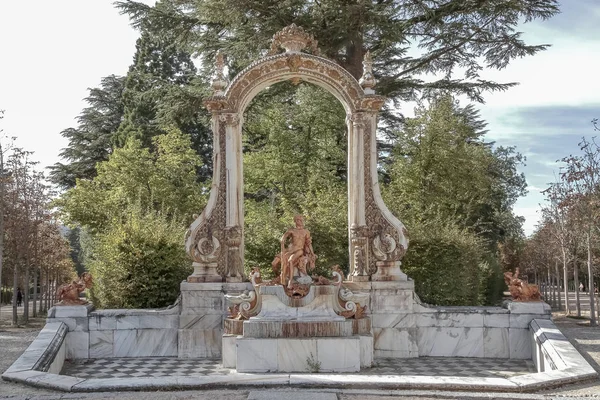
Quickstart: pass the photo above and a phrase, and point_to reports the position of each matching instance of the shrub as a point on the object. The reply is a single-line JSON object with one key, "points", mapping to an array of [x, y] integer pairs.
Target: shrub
{"points": [[447, 264], [139, 262]]}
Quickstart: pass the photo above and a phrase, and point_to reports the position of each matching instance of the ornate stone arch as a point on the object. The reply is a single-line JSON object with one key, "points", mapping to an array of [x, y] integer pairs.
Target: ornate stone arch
{"points": [[215, 242]]}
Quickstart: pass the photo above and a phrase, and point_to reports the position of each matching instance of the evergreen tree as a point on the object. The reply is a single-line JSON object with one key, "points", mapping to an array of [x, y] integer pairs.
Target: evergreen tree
{"points": [[162, 90], [134, 214], [455, 193], [91, 141], [448, 34]]}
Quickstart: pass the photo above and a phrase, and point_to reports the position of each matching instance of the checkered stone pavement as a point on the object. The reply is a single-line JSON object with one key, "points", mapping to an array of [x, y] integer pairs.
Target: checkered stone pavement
{"points": [[423, 366], [451, 366], [143, 367]]}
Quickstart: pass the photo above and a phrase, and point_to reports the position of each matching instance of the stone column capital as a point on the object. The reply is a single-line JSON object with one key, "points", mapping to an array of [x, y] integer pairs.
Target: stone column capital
{"points": [[230, 119]]}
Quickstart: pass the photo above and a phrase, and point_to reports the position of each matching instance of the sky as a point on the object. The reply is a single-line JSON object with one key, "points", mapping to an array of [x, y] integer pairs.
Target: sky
{"points": [[53, 51]]}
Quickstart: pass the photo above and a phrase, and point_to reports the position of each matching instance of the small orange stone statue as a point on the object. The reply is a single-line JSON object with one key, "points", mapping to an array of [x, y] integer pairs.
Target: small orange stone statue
{"points": [[519, 290], [68, 294], [298, 257]]}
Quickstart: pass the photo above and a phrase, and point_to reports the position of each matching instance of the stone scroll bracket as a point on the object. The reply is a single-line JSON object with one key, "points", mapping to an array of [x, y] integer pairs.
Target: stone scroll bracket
{"points": [[205, 240], [378, 239]]}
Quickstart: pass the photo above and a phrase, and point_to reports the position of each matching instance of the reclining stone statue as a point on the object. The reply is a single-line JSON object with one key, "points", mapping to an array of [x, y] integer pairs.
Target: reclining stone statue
{"points": [[68, 294], [519, 290]]}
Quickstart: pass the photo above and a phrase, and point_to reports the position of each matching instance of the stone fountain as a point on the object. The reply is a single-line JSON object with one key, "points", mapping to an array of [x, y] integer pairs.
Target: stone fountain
{"points": [[297, 323]]}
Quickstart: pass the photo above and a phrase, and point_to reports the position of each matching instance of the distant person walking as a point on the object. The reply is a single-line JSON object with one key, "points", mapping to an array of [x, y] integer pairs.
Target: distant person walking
{"points": [[19, 297], [581, 287]]}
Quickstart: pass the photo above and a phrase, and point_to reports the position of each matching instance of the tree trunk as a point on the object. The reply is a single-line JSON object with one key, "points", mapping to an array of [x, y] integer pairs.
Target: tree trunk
{"points": [[566, 283], [14, 299], [552, 288], [1, 216], [47, 291], [591, 281], [557, 274], [26, 295], [576, 282], [35, 281]]}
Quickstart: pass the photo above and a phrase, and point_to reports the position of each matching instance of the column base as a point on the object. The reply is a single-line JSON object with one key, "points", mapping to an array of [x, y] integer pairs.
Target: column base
{"points": [[204, 273], [389, 271]]}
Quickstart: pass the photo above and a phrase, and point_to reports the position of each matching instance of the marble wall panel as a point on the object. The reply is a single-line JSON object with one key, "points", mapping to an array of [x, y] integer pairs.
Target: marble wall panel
{"points": [[339, 355], [390, 300], [398, 340], [496, 320], [201, 322], [519, 341], [366, 351], [196, 343], [145, 343], [296, 355], [125, 322], [257, 355], [393, 320], [522, 321], [77, 345], [99, 322], [59, 360], [203, 299], [449, 319], [495, 343], [76, 324], [101, 344], [70, 311], [532, 307], [229, 351], [158, 321], [402, 285], [450, 342]]}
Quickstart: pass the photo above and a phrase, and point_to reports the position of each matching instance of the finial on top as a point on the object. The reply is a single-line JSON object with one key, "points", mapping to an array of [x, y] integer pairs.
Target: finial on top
{"points": [[367, 80], [293, 39], [219, 82]]}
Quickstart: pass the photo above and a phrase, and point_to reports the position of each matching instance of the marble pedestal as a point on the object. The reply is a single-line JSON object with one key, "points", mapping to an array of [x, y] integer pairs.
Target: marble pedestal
{"points": [[324, 354], [298, 334], [203, 310]]}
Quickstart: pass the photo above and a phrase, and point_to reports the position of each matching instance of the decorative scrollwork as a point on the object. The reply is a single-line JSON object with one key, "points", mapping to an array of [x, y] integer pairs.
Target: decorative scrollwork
{"points": [[293, 38]]}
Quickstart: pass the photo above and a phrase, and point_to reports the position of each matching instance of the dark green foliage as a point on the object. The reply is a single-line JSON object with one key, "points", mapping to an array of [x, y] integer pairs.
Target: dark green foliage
{"points": [[76, 251], [471, 35], [295, 163], [162, 91], [91, 142], [443, 171], [447, 264], [135, 213], [139, 263]]}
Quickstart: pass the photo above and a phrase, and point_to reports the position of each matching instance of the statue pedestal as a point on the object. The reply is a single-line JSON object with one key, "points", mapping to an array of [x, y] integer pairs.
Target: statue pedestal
{"points": [[205, 273], [360, 278], [305, 334], [389, 271], [202, 308]]}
